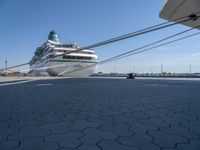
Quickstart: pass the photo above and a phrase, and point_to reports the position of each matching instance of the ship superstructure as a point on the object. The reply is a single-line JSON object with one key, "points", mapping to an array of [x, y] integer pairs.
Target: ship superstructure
{"points": [[57, 59]]}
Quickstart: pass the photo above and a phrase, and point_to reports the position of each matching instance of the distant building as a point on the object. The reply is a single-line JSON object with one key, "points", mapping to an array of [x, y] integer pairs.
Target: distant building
{"points": [[10, 73]]}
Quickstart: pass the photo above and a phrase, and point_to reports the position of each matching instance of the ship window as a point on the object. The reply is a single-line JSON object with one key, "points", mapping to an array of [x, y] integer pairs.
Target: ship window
{"points": [[62, 51], [78, 57], [67, 57], [88, 58], [51, 56]]}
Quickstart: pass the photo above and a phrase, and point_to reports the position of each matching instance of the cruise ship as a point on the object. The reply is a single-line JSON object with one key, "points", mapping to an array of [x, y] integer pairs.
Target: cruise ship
{"points": [[58, 59]]}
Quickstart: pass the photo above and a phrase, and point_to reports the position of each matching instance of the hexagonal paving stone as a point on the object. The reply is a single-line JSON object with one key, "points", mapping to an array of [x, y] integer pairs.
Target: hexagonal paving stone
{"points": [[57, 128], [93, 136], [169, 149], [8, 145], [166, 140], [112, 145], [193, 128], [88, 147], [24, 123], [178, 130], [68, 140], [194, 145], [72, 117], [140, 141], [119, 129], [6, 132], [28, 132], [103, 120], [123, 118], [4, 125], [92, 114], [4, 117], [82, 124], [158, 122], [3, 137], [34, 143], [137, 127], [49, 118]]}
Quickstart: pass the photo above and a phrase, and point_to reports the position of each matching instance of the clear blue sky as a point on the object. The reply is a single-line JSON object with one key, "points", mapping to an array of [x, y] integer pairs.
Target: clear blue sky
{"points": [[25, 25]]}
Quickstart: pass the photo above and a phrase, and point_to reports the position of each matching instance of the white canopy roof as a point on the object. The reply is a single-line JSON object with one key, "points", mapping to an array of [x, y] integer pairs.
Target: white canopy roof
{"points": [[174, 9]]}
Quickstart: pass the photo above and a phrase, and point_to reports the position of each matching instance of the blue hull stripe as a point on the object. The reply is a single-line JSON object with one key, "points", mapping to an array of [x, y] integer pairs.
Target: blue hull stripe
{"points": [[70, 61]]}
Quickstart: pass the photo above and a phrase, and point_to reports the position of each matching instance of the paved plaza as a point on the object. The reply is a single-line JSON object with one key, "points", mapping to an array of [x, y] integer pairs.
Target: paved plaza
{"points": [[100, 114]]}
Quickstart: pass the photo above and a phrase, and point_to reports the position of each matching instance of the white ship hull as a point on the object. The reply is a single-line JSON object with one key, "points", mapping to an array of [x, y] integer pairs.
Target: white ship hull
{"points": [[65, 68]]}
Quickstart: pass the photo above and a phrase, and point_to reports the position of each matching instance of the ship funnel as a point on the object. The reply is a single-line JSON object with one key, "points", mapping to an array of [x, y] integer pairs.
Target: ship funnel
{"points": [[53, 36]]}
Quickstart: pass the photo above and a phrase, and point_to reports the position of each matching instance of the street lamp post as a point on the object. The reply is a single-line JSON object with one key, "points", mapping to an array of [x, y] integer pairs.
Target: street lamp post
{"points": [[6, 62]]}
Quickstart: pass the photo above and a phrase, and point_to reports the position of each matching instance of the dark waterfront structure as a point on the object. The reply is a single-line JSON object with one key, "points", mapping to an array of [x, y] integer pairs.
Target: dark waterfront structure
{"points": [[100, 114], [131, 76]]}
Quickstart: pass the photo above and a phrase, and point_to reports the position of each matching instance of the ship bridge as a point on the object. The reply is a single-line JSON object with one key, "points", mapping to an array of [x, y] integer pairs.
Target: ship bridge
{"points": [[174, 9]]}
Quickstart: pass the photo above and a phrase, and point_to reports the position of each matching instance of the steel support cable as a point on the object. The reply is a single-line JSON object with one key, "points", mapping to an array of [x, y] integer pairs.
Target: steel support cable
{"points": [[17, 66], [65, 71], [116, 38], [159, 41], [123, 53], [119, 39], [60, 65], [136, 33], [154, 47], [141, 51], [93, 45], [77, 64], [112, 40], [129, 35], [136, 52]]}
